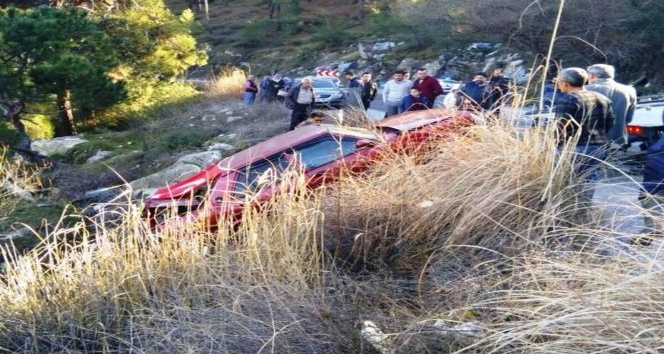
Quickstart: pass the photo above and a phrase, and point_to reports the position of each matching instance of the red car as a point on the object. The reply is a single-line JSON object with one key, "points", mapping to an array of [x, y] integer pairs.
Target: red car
{"points": [[322, 151]]}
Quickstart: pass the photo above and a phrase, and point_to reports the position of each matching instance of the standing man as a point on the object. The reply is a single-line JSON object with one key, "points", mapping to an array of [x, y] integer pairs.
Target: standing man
{"points": [[497, 88], [301, 100], [652, 193], [354, 95], [263, 93], [473, 94], [622, 97], [428, 85], [353, 82], [589, 114], [369, 89], [394, 91], [276, 84]]}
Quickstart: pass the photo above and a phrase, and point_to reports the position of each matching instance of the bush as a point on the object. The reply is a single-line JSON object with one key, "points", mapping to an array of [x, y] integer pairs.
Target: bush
{"points": [[229, 82], [257, 33]]}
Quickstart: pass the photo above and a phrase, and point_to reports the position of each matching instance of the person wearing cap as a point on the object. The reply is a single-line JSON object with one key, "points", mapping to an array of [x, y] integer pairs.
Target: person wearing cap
{"points": [[249, 91], [473, 94], [623, 99]]}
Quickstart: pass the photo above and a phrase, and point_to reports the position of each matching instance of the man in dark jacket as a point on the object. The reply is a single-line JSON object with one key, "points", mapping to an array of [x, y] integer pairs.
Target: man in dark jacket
{"points": [[300, 99], [353, 82], [587, 112], [473, 94], [415, 101], [369, 89], [497, 88], [428, 85], [276, 83], [652, 192], [590, 115]]}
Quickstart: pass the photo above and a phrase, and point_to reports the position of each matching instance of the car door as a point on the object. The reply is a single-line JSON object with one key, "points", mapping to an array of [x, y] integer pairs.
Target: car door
{"points": [[326, 158]]}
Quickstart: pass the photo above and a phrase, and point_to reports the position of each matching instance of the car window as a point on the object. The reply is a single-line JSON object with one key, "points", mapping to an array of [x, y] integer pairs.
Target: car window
{"points": [[261, 173], [309, 156], [324, 151]]}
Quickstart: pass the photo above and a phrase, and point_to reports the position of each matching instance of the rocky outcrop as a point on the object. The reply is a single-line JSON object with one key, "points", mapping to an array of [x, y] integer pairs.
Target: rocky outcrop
{"points": [[457, 64], [54, 146], [182, 168]]}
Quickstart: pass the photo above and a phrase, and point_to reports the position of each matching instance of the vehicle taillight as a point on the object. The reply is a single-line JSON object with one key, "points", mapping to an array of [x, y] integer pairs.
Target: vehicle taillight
{"points": [[633, 129]]}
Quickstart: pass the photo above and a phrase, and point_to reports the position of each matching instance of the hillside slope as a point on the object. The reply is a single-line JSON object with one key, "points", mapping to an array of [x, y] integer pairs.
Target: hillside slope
{"points": [[242, 31]]}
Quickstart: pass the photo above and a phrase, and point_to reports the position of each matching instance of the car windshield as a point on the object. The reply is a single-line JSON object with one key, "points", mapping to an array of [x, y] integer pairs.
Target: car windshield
{"points": [[323, 84], [310, 155]]}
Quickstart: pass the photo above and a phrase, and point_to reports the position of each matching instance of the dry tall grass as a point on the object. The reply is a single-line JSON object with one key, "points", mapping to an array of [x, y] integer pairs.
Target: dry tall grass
{"points": [[473, 231], [227, 83], [17, 182], [493, 188]]}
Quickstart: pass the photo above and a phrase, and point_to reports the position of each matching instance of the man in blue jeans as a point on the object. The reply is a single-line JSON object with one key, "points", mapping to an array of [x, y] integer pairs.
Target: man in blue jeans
{"points": [[652, 193], [588, 114]]}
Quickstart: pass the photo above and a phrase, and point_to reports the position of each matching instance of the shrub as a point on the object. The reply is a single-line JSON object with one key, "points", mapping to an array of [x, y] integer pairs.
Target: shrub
{"points": [[227, 83]]}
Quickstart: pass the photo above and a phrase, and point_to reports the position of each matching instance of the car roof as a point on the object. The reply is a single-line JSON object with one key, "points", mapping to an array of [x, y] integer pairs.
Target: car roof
{"points": [[287, 140], [413, 120], [318, 78]]}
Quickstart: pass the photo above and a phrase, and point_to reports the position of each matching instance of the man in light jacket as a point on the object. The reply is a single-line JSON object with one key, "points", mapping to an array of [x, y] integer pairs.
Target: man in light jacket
{"points": [[394, 92], [300, 99], [623, 99]]}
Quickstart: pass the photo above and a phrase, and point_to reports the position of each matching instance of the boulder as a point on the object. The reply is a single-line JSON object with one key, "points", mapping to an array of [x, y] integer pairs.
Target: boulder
{"points": [[182, 168], [98, 156], [54, 146]]}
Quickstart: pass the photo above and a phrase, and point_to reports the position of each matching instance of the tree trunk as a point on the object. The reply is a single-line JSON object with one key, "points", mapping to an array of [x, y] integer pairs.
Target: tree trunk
{"points": [[12, 111], [360, 12], [66, 126]]}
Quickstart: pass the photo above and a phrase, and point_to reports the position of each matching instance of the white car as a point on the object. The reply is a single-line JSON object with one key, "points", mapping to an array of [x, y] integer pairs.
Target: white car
{"points": [[648, 121], [449, 84]]}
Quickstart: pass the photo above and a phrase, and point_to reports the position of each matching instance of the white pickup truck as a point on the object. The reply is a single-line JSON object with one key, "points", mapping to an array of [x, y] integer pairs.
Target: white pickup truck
{"points": [[648, 122]]}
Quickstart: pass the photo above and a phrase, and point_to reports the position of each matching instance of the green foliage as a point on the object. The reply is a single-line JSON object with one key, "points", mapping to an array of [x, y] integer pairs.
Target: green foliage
{"points": [[8, 135], [386, 24], [39, 126], [51, 51], [254, 33], [333, 34], [146, 96], [153, 44], [155, 47], [184, 139]]}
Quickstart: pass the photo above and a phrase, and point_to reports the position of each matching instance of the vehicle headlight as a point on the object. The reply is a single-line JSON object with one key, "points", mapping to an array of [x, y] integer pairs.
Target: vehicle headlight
{"points": [[336, 95]]}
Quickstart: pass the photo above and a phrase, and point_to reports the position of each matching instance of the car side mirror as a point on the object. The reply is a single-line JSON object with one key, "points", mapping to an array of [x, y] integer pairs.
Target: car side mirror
{"points": [[362, 143]]}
